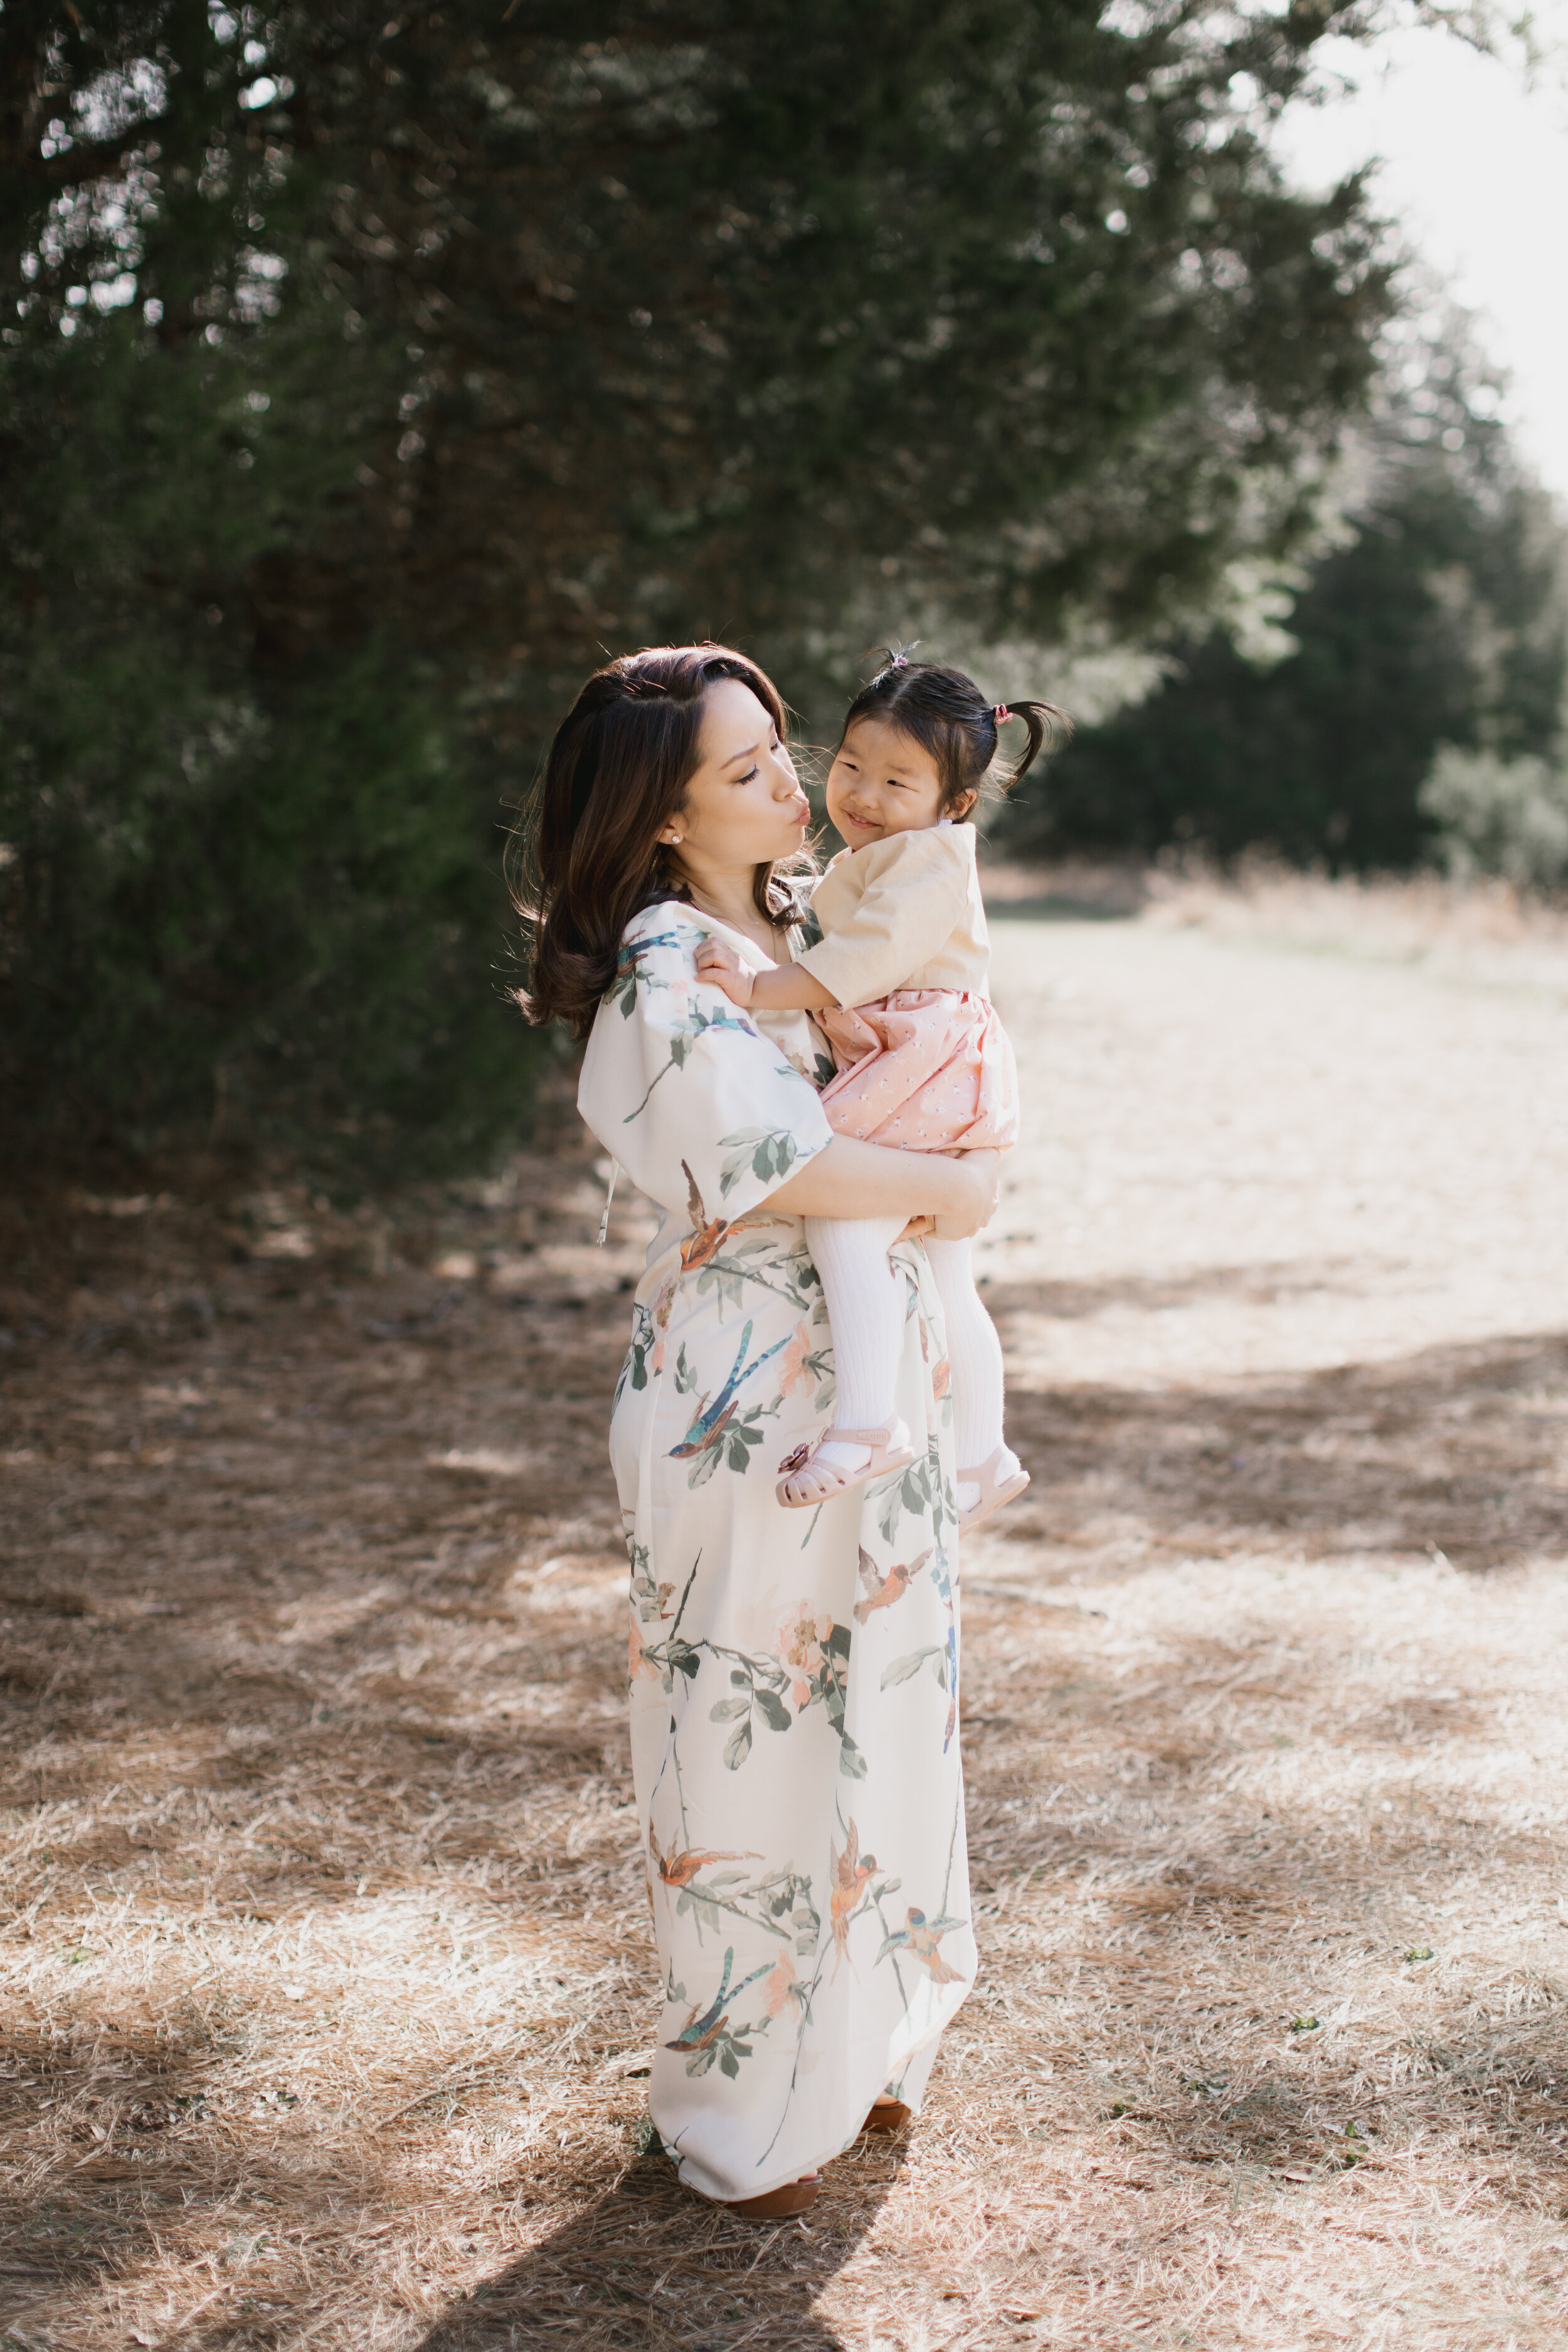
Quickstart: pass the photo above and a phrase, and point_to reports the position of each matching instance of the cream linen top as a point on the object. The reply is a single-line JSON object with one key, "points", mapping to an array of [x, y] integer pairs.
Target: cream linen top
{"points": [[903, 912]]}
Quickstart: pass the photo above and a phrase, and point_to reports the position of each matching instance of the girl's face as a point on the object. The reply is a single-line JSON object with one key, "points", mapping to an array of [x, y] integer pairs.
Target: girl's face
{"points": [[744, 806], [883, 782]]}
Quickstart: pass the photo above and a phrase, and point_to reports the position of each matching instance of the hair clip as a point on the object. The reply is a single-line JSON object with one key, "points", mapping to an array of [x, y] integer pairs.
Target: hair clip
{"points": [[899, 661], [1003, 711]]}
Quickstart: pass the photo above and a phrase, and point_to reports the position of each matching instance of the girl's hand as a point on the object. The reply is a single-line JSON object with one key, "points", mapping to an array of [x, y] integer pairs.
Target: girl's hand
{"points": [[719, 963], [981, 1174]]}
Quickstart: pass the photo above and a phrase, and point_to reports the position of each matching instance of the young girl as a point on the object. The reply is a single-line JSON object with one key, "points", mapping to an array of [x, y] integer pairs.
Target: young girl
{"points": [[897, 983]]}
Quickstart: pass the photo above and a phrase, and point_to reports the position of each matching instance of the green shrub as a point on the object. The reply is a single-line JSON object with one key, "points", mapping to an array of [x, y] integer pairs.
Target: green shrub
{"points": [[1498, 816]]}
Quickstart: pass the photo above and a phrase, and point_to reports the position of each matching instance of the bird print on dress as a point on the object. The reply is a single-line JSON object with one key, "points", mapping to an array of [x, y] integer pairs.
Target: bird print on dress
{"points": [[707, 2033], [710, 1422], [702, 1243], [881, 1591], [851, 1872], [678, 1870], [920, 1938], [718, 1431]]}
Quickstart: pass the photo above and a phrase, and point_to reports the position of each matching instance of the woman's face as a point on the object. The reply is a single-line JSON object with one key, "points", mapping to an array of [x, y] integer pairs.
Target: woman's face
{"points": [[744, 806]]}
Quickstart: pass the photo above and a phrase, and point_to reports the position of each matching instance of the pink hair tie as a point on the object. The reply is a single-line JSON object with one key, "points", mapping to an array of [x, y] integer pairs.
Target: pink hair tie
{"points": [[1003, 711]]}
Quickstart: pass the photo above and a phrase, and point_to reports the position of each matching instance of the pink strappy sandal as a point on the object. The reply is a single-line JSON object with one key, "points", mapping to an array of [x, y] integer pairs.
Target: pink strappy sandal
{"points": [[992, 1495], [805, 1481]]}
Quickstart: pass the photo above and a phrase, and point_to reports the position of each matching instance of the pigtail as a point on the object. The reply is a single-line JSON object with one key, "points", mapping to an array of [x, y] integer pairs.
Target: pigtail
{"points": [[1048, 726]]}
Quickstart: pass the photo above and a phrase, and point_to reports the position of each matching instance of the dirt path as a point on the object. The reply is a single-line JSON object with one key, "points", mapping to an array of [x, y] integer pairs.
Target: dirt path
{"points": [[322, 1951]]}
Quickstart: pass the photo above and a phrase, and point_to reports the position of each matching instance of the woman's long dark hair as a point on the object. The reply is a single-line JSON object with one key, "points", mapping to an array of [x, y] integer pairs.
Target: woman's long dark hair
{"points": [[944, 711], [590, 854]]}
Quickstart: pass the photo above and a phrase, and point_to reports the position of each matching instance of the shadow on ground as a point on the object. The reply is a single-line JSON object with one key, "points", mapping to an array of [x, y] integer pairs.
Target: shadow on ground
{"points": [[1455, 1450], [647, 2267]]}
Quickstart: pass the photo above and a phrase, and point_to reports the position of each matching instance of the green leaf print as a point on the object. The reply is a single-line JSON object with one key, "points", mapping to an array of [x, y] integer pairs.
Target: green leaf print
{"points": [[634, 1370], [743, 1433], [770, 1268], [903, 1670], [769, 1150], [771, 1709], [812, 1671], [780, 1904], [683, 1039], [923, 1492]]}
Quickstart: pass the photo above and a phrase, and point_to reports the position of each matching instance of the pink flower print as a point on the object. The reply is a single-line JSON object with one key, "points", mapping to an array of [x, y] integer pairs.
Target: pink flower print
{"points": [[792, 1373], [940, 1379], [638, 1662], [799, 1650], [783, 1987]]}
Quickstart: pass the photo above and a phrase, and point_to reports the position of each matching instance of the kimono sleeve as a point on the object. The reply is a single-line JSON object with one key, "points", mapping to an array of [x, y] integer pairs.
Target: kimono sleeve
{"points": [[914, 900], [680, 1087]]}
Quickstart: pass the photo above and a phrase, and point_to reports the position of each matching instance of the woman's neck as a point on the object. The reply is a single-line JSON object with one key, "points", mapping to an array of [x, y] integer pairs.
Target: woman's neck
{"points": [[728, 895]]}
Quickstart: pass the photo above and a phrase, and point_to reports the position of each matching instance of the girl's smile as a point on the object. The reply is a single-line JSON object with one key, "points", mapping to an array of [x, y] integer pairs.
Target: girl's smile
{"points": [[883, 782]]}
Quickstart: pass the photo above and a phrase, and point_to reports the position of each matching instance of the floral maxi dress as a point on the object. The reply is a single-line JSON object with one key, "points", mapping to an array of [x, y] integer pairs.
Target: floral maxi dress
{"points": [[794, 1676]]}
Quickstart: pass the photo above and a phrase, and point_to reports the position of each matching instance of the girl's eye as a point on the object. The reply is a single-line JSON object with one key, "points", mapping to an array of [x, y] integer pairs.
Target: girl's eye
{"points": [[750, 777]]}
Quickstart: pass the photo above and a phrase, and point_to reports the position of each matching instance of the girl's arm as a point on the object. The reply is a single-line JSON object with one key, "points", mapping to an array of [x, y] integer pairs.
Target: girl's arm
{"points": [[788, 988], [850, 1179]]}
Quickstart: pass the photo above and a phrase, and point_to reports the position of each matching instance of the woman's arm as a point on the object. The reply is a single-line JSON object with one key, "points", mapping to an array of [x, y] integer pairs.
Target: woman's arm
{"points": [[850, 1179]]}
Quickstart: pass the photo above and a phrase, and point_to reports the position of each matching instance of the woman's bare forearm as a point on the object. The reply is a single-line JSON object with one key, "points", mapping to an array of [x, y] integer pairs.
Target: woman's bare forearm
{"points": [[849, 1179]]}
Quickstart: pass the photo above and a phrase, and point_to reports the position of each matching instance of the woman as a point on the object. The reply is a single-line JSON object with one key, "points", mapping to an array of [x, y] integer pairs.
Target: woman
{"points": [[794, 1701]]}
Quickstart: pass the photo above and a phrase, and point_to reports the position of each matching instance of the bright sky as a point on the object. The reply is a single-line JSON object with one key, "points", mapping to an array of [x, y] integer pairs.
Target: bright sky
{"points": [[1475, 165]]}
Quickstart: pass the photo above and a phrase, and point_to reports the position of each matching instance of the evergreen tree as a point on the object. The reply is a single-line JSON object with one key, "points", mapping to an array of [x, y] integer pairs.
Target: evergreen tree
{"points": [[369, 371], [1439, 621]]}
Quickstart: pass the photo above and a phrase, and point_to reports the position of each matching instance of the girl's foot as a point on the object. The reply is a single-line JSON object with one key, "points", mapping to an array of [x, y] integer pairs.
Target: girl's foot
{"points": [[776, 2204], [841, 1459], [887, 2115], [1000, 1478]]}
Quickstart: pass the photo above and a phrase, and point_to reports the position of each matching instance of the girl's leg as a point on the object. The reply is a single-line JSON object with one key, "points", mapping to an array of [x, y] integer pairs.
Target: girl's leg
{"points": [[975, 1357], [866, 1312]]}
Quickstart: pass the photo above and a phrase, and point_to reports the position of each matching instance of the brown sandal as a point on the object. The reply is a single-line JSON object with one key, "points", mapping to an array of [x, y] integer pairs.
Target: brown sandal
{"points": [[887, 2115], [776, 2204], [806, 1481]]}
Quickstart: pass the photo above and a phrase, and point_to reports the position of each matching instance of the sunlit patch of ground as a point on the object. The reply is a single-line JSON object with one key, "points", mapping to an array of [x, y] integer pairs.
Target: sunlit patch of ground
{"points": [[323, 1955]]}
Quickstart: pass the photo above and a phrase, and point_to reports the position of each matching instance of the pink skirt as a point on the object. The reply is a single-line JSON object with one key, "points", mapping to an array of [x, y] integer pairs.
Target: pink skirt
{"points": [[925, 1069]]}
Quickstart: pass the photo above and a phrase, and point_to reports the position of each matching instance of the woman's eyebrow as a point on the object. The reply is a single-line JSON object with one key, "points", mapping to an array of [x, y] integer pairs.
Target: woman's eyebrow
{"points": [[749, 753]]}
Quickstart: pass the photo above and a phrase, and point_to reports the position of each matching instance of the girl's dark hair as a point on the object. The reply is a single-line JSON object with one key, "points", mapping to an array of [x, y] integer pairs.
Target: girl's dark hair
{"points": [[590, 854], [944, 711]]}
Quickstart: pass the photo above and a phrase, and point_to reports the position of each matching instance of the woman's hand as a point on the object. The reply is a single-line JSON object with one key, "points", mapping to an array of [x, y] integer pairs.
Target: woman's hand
{"points": [[718, 961], [982, 1172]]}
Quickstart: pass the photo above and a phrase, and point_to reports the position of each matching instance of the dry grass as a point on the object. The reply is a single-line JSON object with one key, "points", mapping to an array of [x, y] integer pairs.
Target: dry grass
{"points": [[323, 1955]]}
